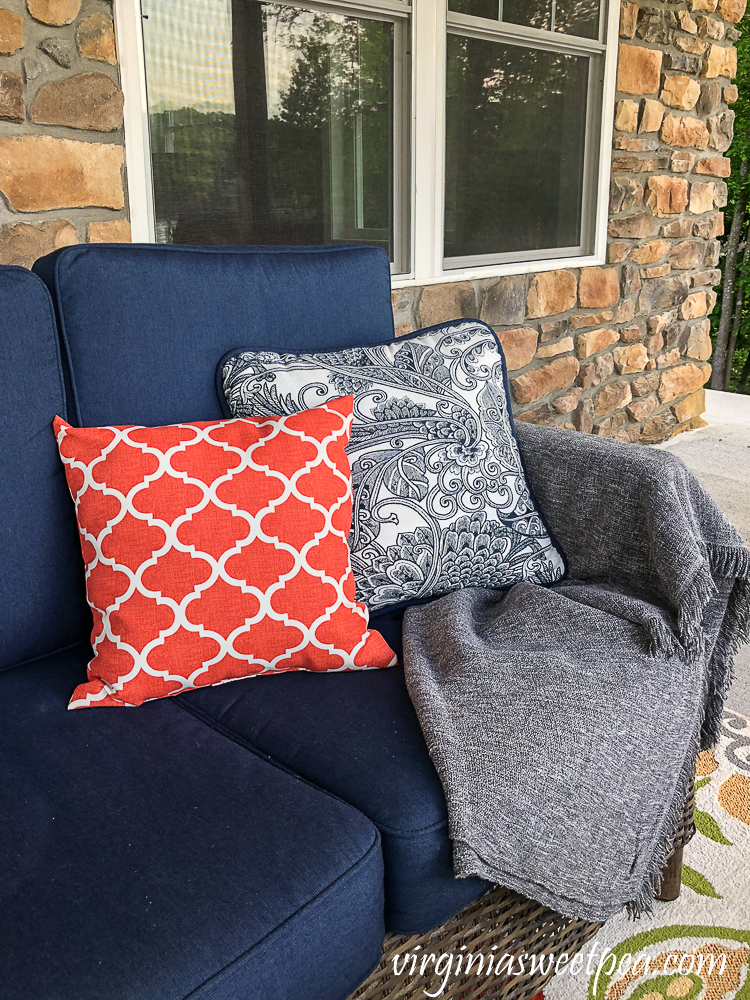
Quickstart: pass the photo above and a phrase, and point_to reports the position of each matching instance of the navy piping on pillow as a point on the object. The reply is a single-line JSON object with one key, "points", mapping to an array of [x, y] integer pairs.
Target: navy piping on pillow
{"points": [[219, 383], [398, 605]]}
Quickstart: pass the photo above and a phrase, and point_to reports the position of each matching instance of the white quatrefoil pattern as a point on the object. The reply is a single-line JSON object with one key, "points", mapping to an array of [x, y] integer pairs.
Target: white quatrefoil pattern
{"points": [[216, 550]]}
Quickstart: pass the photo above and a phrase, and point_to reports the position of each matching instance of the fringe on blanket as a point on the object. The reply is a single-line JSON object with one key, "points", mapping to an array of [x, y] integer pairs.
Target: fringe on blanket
{"points": [[644, 901], [727, 564]]}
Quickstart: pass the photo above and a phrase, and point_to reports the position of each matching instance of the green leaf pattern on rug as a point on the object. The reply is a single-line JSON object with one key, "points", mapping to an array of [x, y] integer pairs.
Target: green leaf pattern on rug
{"points": [[698, 883], [708, 826], [702, 782]]}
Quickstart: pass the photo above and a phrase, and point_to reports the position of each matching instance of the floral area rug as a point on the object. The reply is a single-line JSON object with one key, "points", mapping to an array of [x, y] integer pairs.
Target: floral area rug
{"points": [[698, 947]]}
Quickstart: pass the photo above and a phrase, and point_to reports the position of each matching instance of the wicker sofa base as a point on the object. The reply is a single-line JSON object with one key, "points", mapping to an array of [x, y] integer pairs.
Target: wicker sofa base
{"points": [[500, 924]]}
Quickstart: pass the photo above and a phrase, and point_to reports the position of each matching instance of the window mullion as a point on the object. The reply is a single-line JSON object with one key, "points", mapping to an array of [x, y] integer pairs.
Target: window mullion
{"points": [[138, 144], [611, 25], [401, 153], [428, 140]]}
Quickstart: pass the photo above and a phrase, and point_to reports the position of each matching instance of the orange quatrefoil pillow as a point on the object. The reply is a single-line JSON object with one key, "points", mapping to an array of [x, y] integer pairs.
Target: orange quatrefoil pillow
{"points": [[216, 550]]}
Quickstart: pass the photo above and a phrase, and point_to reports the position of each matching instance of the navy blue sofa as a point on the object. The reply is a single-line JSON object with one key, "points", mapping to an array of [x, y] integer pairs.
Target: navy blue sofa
{"points": [[252, 840]]}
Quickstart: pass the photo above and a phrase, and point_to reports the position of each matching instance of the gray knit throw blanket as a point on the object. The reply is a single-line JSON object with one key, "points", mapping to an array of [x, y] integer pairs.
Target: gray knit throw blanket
{"points": [[564, 722]]}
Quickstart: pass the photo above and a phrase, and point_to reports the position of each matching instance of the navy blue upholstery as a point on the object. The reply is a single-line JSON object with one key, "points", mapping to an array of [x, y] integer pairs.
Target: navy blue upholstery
{"points": [[42, 607], [150, 357], [357, 735], [147, 857], [145, 326]]}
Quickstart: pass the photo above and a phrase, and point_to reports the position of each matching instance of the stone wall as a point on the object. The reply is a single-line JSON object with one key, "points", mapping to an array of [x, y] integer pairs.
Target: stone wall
{"points": [[61, 137], [622, 350]]}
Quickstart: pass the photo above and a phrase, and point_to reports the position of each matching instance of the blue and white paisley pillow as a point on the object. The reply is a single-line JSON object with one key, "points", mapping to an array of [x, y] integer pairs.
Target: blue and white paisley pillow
{"points": [[440, 496]]}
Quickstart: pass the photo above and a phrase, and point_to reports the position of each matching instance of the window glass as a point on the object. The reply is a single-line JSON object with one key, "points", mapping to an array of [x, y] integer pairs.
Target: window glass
{"points": [[476, 8], [529, 13], [578, 17], [516, 126], [269, 123], [574, 17]]}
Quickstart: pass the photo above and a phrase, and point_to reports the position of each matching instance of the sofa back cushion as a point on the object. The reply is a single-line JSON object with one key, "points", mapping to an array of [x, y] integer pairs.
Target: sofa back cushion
{"points": [[144, 326], [42, 606]]}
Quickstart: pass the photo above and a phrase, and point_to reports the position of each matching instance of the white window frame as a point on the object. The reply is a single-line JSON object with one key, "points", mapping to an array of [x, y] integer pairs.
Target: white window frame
{"points": [[421, 200]]}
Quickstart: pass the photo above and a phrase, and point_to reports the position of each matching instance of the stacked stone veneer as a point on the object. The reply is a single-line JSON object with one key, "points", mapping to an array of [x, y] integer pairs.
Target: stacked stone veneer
{"points": [[61, 135], [622, 349]]}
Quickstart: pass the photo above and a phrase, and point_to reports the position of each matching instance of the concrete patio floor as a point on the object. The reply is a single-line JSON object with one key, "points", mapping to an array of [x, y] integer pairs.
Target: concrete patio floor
{"points": [[719, 455]]}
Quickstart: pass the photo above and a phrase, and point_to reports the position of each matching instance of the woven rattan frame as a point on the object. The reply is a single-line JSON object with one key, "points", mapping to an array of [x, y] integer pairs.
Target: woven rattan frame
{"points": [[685, 831], [498, 923], [499, 920]]}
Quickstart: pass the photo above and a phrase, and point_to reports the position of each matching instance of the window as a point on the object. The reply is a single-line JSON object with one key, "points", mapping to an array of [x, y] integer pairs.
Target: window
{"points": [[464, 137], [271, 123], [522, 117]]}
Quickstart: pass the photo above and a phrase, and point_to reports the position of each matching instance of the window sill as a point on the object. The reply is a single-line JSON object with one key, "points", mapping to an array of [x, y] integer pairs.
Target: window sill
{"points": [[498, 270]]}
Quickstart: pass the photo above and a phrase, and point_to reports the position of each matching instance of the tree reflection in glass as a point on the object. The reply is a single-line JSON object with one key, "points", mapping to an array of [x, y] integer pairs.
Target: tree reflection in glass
{"points": [[578, 17], [574, 17], [515, 134], [476, 8], [292, 141], [530, 13]]}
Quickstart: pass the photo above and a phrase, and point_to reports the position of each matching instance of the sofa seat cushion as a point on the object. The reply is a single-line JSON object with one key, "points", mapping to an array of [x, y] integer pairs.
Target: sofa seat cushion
{"points": [[357, 735], [148, 857]]}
